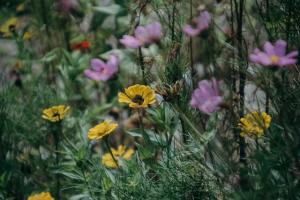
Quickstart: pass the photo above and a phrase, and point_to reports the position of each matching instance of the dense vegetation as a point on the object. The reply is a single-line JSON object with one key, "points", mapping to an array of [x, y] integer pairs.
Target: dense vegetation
{"points": [[149, 99]]}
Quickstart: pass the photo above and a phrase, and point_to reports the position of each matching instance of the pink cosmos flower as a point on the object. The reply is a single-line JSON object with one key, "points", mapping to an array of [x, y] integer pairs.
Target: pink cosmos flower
{"points": [[207, 96], [274, 55], [101, 71], [201, 23], [143, 36]]}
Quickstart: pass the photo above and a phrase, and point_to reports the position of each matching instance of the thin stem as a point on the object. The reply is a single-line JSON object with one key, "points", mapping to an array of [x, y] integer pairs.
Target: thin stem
{"points": [[146, 137], [193, 71], [109, 149], [242, 78], [87, 183], [142, 65], [57, 177], [173, 21]]}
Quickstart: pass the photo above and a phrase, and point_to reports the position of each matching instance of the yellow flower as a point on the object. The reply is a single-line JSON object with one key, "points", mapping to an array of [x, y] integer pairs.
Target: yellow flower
{"points": [[137, 96], [101, 130], [7, 26], [27, 35], [254, 123], [55, 113], [121, 152], [41, 196]]}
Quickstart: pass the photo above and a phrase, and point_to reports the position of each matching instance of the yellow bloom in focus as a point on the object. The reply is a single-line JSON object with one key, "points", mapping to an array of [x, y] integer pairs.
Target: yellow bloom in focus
{"points": [[55, 113], [254, 123], [7, 27], [101, 130], [121, 152], [41, 196], [137, 96]]}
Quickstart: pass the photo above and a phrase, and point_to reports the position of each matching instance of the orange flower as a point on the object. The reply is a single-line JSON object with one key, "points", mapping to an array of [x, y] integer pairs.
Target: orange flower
{"points": [[85, 44]]}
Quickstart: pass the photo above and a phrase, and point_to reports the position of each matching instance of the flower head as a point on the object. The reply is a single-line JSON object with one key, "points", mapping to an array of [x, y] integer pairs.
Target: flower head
{"points": [[137, 96], [121, 152], [101, 130], [200, 23], [65, 5], [102, 71], [85, 44], [274, 55], [143, 36], [41, 196], [7, 27], [27, 36], [254, 123], [207, 96], [55, 113]]}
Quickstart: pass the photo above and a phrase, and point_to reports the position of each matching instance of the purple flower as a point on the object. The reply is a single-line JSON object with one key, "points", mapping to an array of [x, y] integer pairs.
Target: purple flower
{"points": [[201, 23], [65, 5], [207, 96], [274, 55], [101, 71], [143, 36]]}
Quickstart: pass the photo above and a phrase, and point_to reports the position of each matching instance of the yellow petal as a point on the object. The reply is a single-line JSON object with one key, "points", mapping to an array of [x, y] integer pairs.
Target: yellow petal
{"points": [[128, 154], [108, 161], [123, 98]]}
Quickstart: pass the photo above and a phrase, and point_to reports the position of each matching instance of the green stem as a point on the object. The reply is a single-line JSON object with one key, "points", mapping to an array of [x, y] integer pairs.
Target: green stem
{"points": [[142, 65], [56, 141], [146, 137], [193, 71], [109, 149], [87, 183]]}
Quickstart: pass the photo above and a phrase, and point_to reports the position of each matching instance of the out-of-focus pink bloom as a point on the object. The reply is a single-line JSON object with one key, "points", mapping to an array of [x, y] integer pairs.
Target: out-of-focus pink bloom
{"points": [[65, 5], [200, 24], [207, 96], [101, 71], [143, 36], [274, 55]]}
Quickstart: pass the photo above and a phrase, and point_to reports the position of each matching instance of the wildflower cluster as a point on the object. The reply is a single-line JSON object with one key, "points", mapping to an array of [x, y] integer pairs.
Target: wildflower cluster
{"points": [[254, 124], [155, 95]]}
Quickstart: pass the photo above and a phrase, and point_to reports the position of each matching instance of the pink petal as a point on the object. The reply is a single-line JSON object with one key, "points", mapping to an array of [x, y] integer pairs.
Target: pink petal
{"points": [[285, 61], [97, 64], [141, 34], [130, 42], [154, 31], [253, 58], [211, 105], [292, 54], [91, 75], [112, 64], [264, 59], [190, 31], [269, 48], [280, 47], [206, 97]]}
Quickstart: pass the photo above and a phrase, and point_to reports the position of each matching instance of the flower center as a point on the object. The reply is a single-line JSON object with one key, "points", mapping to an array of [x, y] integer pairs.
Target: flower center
{"points": [[56, 114], [138, 99], [274, 59], [103, 71]]}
